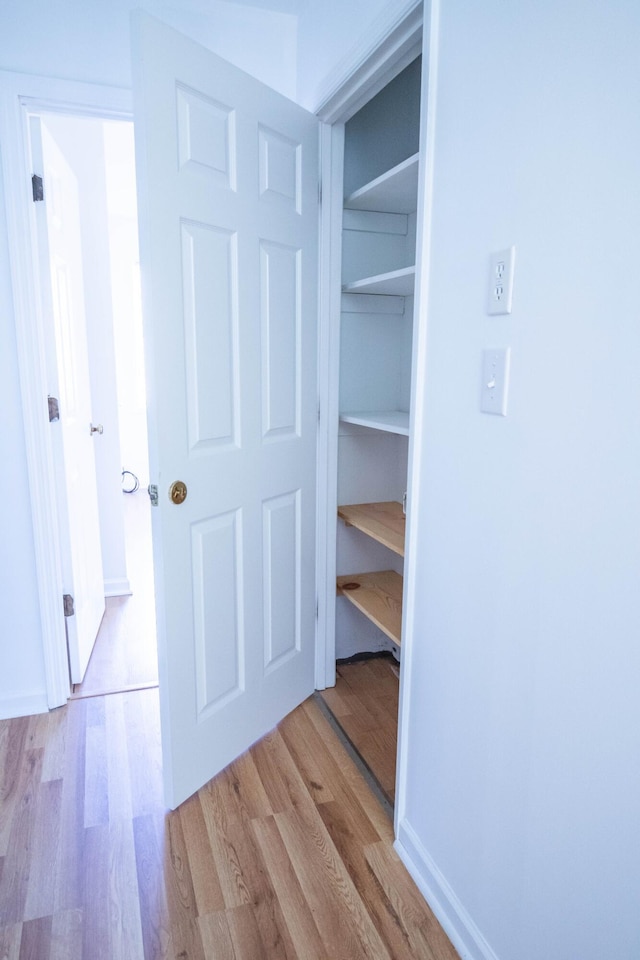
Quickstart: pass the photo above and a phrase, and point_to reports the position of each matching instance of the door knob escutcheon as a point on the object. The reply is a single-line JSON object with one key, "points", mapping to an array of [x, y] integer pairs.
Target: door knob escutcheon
{"points": [[178, 492]]}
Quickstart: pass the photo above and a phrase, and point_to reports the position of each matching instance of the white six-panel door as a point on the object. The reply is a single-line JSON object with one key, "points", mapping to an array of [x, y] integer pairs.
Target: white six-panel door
{"points": [[228, 187]]}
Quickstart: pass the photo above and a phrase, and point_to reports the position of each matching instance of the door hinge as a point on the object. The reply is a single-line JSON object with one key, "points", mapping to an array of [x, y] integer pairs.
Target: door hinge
{"points": [[153, 494], [67, 602], [37, 188], [54, 409]]}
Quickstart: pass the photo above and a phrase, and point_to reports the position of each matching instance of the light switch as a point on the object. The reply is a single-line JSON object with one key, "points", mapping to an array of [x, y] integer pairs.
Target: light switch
{"points": [[495, 380], [500, 294]]}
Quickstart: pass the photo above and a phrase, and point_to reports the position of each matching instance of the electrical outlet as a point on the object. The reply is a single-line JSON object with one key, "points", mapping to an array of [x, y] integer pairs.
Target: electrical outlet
{"points": [[500, 296]]}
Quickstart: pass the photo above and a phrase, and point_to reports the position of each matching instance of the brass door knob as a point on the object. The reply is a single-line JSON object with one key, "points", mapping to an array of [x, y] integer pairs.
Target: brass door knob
{"points": [[178, 492]]}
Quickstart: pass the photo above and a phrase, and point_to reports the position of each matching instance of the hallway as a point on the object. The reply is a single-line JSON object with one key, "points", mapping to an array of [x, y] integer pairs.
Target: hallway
{"points": [[125, 653]]}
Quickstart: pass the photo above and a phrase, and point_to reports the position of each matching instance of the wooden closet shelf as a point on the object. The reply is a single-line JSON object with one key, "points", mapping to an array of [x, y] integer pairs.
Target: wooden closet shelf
{"points": [[377, 595], [384, 522]]}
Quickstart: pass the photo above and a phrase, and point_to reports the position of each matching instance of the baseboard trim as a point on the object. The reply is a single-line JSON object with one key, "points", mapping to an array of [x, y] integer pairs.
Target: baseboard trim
{"points": [[451, 915], [117, 588], [12, 707]]}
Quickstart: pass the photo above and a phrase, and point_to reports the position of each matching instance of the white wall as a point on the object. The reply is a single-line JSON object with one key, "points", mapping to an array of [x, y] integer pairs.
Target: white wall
{"points": [[126, 296], [91, 41], [524, 727]]}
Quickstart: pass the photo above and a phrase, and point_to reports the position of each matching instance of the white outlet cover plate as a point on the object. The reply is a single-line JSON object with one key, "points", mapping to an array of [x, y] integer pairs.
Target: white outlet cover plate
{"points": [[495, 380], [500, 292]]}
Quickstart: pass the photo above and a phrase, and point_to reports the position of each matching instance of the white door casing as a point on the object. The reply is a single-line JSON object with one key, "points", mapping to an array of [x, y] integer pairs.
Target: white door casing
{"points": [[59, 242], [228, 199], [21, 95]]}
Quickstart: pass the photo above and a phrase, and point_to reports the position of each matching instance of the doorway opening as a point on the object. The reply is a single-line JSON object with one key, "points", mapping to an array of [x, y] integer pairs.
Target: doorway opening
{"points": [[380, 176], [98, 155]]}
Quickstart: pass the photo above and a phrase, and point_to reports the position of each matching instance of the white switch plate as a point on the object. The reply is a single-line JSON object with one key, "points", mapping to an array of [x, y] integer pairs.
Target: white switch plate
{"points": [[495, 380], [500, 294]]}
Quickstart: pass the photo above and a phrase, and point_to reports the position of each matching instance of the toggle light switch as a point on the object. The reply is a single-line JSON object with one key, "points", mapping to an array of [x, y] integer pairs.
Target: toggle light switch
{"points": [[495, 380]]}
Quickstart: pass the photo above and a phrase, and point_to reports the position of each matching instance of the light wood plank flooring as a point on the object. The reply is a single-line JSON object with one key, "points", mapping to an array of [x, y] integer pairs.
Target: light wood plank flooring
{"points": [[364, 702], [286, 854]]}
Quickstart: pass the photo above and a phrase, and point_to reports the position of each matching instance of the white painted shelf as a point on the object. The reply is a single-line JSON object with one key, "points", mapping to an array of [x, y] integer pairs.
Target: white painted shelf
{"points": [[390, 421], [395, 283], [396, 191]]}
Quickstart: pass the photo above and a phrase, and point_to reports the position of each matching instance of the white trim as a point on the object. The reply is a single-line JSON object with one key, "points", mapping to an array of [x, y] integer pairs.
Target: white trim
{"points": [[390, 44], [330, 286], [32, 368], [12, 707], [21, 94], [118, 588], [417, 460], [449, 912]]}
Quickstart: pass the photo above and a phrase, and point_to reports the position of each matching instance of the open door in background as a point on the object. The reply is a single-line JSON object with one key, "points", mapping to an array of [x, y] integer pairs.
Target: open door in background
{"points": [[60, 258], [227, 175]]}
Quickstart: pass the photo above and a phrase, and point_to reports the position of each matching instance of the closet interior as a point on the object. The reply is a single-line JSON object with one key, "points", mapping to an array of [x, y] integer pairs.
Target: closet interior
{"points": [[381, 162]]}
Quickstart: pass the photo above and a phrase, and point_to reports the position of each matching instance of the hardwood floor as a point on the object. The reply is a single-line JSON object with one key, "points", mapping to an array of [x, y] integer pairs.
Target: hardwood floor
{"points": [[286, 854], [364, 702]]}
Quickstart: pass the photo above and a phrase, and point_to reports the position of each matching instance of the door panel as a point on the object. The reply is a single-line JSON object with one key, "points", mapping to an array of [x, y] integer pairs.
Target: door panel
{"points": [[281, 339], [216, 546], [282, 575], [210, 271], [206, 135], [228, 175], [280, 160]]}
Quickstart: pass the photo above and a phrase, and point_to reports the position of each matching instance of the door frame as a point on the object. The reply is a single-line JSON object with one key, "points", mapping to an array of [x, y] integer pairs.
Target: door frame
{"points": [[20, 96], [397, 41], [392, 43]]}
